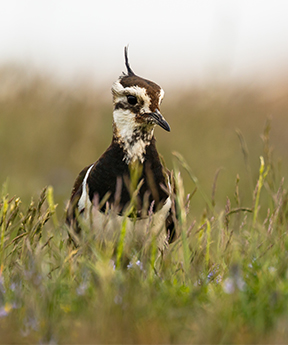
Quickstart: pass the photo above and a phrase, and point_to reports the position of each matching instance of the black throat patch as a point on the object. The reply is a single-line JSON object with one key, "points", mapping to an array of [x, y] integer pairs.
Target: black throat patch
{"points": [[111, 167]]}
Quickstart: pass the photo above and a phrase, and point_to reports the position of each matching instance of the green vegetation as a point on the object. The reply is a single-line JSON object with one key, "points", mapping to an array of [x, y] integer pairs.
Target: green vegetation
{"points": [[224, 280]]}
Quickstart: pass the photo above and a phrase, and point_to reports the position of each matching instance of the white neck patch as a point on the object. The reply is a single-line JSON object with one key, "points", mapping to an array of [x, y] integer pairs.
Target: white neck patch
{"points": [[126, 128]]}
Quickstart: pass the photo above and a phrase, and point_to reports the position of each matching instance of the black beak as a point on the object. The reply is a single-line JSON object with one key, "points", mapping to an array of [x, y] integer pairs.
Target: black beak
{"points": [[158, 119]]}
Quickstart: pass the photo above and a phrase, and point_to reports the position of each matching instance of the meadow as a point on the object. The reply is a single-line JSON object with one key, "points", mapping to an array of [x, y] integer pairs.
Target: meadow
{"points": [[224, 280]]}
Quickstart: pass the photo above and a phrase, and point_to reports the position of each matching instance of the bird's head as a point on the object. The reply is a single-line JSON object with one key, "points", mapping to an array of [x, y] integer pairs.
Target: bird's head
{"points": [[136, 108]]}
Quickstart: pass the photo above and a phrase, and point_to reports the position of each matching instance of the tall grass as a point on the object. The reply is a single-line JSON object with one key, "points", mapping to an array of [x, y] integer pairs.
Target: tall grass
{"points": [[224, 280]]}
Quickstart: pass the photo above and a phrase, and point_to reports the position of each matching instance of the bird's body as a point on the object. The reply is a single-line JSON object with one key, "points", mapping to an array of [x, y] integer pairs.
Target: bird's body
{"points": [[131, 163]]}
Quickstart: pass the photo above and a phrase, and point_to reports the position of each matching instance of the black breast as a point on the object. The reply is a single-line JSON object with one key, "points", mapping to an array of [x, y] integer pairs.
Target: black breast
{"points": [[111, 167]]}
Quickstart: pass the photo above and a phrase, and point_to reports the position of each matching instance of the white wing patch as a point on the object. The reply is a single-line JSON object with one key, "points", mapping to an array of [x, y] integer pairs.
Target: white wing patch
{"points": [[84, 200]]}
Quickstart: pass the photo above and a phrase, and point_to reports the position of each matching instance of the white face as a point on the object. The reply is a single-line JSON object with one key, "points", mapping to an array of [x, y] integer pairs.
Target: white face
{"points": [[128, 122], [124, 118]]}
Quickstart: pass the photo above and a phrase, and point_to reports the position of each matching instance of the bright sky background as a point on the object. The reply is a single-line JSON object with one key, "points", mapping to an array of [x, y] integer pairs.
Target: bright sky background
{"points": [[171, 41]]}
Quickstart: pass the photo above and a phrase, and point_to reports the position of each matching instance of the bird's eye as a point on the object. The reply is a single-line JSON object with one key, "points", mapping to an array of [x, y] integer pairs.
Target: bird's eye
{"points": [[132, 99]]}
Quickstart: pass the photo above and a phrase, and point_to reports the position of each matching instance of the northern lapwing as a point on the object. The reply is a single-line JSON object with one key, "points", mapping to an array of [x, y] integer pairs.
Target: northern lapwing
{"points": [[136, 112]]}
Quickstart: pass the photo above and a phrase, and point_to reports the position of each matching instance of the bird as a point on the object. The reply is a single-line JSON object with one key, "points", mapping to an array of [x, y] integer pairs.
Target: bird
{"points": [[132, 156]]}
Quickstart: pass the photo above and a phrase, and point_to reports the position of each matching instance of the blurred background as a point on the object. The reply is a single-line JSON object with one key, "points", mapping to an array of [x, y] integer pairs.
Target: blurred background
{"points": [[223, 65]]}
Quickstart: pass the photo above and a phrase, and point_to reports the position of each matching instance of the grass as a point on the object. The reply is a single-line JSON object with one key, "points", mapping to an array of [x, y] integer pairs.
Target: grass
{"points": [[224, 280]]}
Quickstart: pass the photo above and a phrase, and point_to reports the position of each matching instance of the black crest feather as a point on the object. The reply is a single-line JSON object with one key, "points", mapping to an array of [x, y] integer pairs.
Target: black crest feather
{"points": [[129, 69]]}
